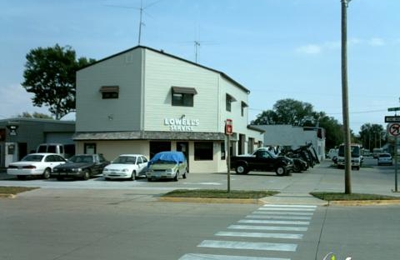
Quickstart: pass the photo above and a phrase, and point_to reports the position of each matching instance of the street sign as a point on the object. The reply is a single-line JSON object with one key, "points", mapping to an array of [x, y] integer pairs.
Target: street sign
{"points": [[394, 109], [394, 129], [392, 119], [228, 127]]}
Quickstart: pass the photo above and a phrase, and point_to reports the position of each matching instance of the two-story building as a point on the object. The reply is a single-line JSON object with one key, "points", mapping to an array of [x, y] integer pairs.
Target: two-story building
{"points": [[144, 101]]}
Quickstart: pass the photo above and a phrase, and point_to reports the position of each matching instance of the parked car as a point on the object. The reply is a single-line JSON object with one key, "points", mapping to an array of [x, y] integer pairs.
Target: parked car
{"points": [[82, 166], [126, 166], [35, 164], [167, 165], [385, 159], [262, 160]]}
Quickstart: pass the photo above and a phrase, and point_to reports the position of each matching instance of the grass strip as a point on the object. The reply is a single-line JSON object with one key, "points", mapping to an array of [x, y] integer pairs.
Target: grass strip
{"points": [[233, 194], [15, 190], [339, 196]]}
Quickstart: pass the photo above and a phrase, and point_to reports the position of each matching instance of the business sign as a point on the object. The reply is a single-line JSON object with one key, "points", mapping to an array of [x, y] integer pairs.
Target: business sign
{"points": [[181, 124], [392, 119]]}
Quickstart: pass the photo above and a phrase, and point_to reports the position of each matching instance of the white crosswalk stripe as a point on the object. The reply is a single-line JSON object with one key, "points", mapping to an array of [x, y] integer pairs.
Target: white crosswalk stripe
{"points": [[260, 235], [225, 257], [248, 245], [269, 224]]}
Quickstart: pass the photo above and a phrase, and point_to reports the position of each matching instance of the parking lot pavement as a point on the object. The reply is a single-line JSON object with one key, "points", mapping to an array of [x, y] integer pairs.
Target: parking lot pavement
{"points": [[294, 189]]}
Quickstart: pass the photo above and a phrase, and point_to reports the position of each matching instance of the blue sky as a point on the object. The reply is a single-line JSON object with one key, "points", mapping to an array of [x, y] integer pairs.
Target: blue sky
{"points": [[278, 49]]}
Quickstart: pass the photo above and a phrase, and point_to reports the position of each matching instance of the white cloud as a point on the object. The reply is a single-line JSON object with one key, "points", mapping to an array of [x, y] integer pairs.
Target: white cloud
{"points": [[310, 49], [376, 42]]}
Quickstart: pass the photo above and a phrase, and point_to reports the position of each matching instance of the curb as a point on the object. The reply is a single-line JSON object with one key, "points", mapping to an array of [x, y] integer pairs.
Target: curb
{"points": [[210, 200], [8, 196], [363, 202]]}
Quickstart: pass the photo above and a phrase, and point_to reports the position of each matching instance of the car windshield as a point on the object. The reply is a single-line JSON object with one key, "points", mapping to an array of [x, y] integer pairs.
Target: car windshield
{"points": [[164, 162], [125, 160], [81, 159], [384, 155], [33, 158]]}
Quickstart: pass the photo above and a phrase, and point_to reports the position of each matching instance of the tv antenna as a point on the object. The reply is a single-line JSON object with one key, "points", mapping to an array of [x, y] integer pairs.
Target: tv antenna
{"points": [[141, 11]]}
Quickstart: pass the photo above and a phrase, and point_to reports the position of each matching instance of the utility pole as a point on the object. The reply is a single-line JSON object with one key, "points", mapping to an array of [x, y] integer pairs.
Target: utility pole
{"points": [[345, 101]]}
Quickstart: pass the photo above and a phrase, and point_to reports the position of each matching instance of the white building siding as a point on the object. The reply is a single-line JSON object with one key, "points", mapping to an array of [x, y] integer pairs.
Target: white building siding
{"points": [[163, 72], [122, 114]]}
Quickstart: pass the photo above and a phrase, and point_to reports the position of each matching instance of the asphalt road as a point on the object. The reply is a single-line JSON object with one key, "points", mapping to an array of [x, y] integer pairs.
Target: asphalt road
{"points": [[122, 220]]}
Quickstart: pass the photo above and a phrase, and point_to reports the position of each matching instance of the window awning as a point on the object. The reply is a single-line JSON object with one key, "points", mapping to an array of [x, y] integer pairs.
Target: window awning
{"points": [[108, 89], [184, 90], [244, 104], [230, 97]]}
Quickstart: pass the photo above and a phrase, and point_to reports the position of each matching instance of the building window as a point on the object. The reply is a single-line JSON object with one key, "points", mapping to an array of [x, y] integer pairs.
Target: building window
{"points": [[203, 151], [109, 92], [156, 147], [183, 96], [244, 105], [229, 100], [89, 148]]}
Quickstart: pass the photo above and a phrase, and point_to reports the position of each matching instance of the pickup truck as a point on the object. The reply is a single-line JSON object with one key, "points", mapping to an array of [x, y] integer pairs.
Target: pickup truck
{"points": [[81, 166], [262, 160]]}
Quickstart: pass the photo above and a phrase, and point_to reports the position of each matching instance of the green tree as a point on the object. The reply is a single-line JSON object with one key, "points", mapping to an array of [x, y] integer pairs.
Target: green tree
{"points": [[286, 111], [50, 74], [371, 136]]}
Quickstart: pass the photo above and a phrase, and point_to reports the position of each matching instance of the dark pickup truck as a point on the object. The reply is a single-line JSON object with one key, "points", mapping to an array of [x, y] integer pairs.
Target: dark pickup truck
{"points": [[81, 166], [262, 160]]}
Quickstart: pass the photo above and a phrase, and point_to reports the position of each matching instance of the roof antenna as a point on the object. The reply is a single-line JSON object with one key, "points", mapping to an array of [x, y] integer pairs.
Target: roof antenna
{"points": [[141, 11]]}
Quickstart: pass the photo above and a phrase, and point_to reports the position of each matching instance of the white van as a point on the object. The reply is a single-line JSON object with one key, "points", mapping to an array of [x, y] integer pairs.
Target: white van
{"points": [[65, 150]]}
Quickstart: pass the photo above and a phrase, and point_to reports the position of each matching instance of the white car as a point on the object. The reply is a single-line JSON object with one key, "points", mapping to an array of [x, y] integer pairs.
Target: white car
{"points": [[36, 164], [126, 166], [385, 158]]}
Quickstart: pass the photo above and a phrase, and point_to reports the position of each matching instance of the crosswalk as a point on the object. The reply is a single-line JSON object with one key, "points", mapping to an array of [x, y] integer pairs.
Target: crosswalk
{"points": [[273, 229]]}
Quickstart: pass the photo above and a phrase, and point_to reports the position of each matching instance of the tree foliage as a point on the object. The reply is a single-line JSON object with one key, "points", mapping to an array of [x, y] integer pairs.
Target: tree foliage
{"points": [[372, 136], [50, 74]]}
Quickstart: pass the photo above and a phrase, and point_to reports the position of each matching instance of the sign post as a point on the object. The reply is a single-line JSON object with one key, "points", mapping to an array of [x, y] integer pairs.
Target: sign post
{"points": [[394, 130], [228, 133]]}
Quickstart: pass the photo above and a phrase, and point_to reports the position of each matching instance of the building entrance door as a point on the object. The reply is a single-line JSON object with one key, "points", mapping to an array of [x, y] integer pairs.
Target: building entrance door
{"points": [[184, 148]]}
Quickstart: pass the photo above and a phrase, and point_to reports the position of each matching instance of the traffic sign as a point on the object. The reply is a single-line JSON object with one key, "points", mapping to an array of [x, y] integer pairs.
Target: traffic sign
{"points": [[394, 109], [394, 129], [392, 119]]}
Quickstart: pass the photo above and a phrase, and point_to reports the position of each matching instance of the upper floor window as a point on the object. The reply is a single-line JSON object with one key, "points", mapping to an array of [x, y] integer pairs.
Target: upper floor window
{"points": [[109, 92], [183, 96], [229, 100], [244, 105]]}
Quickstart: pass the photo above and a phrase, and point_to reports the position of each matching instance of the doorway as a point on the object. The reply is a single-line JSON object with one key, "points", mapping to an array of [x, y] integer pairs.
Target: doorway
{"points": [[184, 148]]}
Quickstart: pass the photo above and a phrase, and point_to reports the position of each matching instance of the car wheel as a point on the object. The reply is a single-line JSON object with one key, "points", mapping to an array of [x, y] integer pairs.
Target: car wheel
{"points": [[133, 176], [86, 175], [241, 169], [176, 176], [107, 179], [149, 179], [21, 177], [46, 174], [280, 171], [184, 175]]}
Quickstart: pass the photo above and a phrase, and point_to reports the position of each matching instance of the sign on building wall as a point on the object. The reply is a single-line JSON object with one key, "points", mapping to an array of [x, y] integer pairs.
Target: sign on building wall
{"points": [[181, 124]]}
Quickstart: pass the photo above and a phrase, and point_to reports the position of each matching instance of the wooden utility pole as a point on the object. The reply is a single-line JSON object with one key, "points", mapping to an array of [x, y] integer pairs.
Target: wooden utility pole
{"points": [[345, 101]]}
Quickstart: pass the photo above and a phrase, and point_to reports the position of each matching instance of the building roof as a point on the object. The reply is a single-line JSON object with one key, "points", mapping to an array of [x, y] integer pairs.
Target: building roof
{"points": [[174, 57]]}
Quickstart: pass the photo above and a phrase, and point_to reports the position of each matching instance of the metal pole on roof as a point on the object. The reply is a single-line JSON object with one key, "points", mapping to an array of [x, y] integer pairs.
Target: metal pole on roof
{"points": [[345, 100]]}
